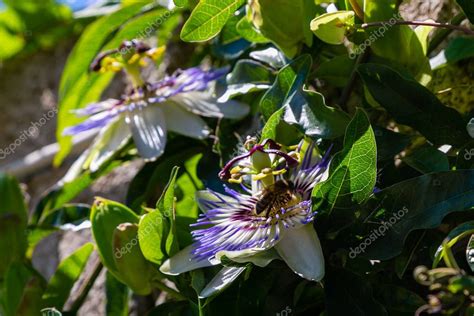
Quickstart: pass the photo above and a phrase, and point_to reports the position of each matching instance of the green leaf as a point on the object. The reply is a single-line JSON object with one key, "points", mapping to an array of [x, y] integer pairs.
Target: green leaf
{"points": [[332, 27], [63, 191], [31, 298], [35, 235], [459, 48], [412, 104], [117, 296], [90, 43], [151, 180], [356, 293], [284, 22], [245, 28], [277, 129], [308, 111], [229, 32], [12, 197], [247, 76], [18, 280], [336, 71], [208, 18], [443, 193], [468, 8], [398, 44], [13, 221], [67, 273], [427, 159], [290, 78], [69, 213], [389, 143], [353, 171], [132, 267], [157, 231], [462, 231], [106, 215]]}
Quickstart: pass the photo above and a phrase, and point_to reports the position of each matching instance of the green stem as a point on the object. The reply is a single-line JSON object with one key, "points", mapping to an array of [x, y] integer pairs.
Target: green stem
{"points": [[420, 23], [357, 9], [346, 93], [442, 33], [173, 293], [449, 257], [86, 286]]}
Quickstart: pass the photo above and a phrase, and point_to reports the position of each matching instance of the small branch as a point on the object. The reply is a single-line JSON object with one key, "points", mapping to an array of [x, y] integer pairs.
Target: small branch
{"points": [[441, 33], [164, 288], [346, 93], [42, 158], [433, 24], [358, 11], [85, 287]]}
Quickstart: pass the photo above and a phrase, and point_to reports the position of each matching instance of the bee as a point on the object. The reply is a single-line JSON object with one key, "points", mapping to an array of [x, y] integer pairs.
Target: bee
{"points": [[275, 197]]}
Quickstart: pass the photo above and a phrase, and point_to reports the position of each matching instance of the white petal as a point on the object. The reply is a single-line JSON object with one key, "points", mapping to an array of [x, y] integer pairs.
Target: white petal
{"points": [[184, 122], [148, 130], [222, 280], [110, 139], [205, 198], [182, 262], [301, 250], [202, 103], [257, 256]]}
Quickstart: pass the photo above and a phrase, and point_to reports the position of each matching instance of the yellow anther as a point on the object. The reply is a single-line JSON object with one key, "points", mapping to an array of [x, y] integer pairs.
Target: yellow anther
{"points": [[236, 169], [110, 64], [260, 176], [134, 59], [238, 180], [156, 53]]}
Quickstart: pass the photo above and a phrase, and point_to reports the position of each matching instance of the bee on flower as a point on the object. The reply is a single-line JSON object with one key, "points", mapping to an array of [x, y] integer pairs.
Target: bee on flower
{"points": [[269, 218], [145, 114]]}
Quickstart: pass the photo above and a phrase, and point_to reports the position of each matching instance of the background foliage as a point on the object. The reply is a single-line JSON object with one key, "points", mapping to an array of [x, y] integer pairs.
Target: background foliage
{"points": [[384, 96]]}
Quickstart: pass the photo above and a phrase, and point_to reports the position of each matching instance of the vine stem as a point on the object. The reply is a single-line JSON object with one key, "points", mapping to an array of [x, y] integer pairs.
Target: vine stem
{"points": [[82, 292], [418, 23], [357, 9], [163, 287], [346, 93], [442, 33]]}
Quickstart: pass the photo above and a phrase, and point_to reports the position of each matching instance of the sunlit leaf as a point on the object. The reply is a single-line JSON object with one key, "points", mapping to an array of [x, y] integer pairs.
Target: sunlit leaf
{"points": [[332, 27], [105, 217], [208, 18], [67, 273], [352, 171], [289, 79]]}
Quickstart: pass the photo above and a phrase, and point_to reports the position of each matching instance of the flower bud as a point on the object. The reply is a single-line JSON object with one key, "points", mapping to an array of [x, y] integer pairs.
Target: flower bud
{"points": [[133, 269]]}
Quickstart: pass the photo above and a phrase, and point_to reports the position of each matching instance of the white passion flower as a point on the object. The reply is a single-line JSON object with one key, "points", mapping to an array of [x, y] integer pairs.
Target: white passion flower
{"points": [[149, 110], [270, 219]]}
